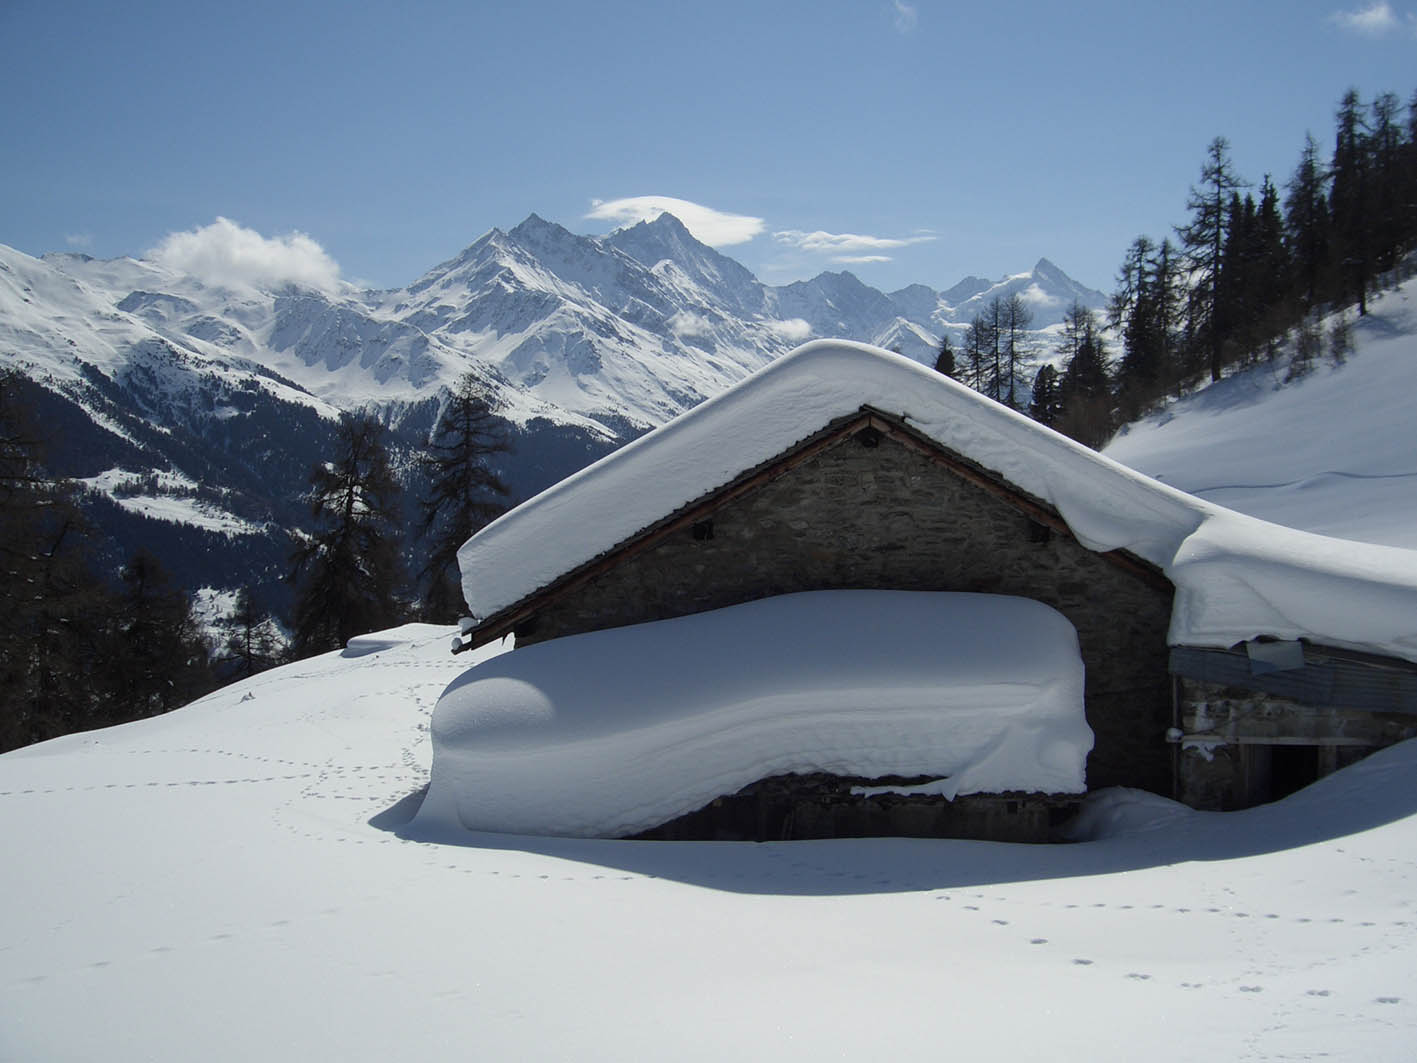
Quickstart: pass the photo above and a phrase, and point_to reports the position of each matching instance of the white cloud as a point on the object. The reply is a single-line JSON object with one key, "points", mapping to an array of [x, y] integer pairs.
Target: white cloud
{"points": [[794, 329], [1372, 21], [686, 323], [228, 255], [845, 243], [79, 240], [713, 227], [861, 259], [905, 17]]}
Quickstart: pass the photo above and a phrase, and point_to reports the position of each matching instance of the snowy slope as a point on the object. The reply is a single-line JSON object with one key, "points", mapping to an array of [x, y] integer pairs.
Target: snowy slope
{"points": [[1335, 452], [228, 882]]}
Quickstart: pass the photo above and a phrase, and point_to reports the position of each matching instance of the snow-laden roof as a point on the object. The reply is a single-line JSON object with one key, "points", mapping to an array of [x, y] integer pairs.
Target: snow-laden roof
{"points": [[613, 732], [1236, 577]]}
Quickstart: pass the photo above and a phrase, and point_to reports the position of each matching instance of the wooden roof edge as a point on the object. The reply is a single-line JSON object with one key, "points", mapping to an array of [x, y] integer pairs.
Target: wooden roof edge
{"points": [[1314, 653]]}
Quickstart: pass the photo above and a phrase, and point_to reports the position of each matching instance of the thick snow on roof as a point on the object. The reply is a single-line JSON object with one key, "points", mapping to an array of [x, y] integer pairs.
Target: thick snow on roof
{"points": [[612, 732], [1335, 591]]}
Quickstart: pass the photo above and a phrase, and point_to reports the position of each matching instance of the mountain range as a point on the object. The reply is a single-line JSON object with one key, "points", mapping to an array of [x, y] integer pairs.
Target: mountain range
{"points": [[193, 408]]}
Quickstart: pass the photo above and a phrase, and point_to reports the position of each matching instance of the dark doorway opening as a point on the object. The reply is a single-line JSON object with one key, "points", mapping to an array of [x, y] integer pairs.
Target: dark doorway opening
{"points": [[1292, 768]]}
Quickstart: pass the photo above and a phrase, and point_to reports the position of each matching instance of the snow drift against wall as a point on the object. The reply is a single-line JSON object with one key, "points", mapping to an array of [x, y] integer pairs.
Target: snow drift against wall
{"points": [[614, 732]]}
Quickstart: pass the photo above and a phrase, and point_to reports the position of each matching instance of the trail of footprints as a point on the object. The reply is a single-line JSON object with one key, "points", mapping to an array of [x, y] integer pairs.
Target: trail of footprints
{"points": [[1242, 985], [331, 780], [276, 769]]}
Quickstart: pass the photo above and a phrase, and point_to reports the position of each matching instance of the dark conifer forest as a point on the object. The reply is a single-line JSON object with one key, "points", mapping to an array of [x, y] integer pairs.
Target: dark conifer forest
{"points": [[1252, 268]]}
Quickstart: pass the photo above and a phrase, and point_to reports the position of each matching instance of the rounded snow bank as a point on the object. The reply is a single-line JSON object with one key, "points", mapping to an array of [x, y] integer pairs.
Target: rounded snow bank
{"points": [[613, 732]]}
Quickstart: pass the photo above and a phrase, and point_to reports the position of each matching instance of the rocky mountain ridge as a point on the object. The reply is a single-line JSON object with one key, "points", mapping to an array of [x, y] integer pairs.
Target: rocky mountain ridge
{"points": [[143, 374]]}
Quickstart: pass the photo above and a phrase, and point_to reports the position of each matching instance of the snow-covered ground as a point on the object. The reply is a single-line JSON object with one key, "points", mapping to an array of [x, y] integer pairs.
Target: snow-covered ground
{"points": [[228, 882], [239, 880], [1334, 453]]}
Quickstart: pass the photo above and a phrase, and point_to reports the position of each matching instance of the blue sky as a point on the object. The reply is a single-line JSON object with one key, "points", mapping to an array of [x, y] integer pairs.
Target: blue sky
{"points": [[907, 142]]}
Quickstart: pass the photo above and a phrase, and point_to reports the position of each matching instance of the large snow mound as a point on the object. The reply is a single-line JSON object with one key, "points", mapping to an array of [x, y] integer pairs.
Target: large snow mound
{"points": [[1107, 505], [613, 732]]}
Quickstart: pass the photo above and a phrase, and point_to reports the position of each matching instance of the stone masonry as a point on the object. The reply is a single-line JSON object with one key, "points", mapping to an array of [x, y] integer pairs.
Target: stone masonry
{"points": [[872, 513]]}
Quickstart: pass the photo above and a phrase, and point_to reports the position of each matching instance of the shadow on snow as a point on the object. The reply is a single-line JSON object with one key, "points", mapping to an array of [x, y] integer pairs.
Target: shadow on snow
{"points": [[1372, 793]]}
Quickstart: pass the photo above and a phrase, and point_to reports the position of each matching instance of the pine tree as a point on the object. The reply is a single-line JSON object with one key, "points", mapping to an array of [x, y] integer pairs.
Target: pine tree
{"points": [[156, 658], [1407, 165], [52, 609], [348, 571], [1046, 405], [464, 493], [1306, 227], [1131, 282], [1388, 213], [1351, 201], [1203, 238], [1271, 271], [1085, 390], [945, 360]]}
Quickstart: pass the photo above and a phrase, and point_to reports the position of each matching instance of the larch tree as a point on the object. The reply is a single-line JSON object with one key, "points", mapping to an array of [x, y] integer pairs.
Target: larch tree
{"points": [[465, 491], [1351, 200], [252, 644], [1203, 238], [978, 345], [1017, 343], [348, 572], [1306, 226]]}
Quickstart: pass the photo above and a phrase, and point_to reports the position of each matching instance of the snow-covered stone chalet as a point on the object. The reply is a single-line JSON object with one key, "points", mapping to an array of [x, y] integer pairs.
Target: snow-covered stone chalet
{"points": [[1228, 661]]}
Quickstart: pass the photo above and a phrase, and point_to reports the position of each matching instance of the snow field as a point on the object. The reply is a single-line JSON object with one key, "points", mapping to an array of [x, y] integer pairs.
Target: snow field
{"points": [[230, 882], [1334, 452]]}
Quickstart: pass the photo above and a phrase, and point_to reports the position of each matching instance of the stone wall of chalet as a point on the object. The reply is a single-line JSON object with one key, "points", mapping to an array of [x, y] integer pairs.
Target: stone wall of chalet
{"points": [[888, 517], [1246, 747]]}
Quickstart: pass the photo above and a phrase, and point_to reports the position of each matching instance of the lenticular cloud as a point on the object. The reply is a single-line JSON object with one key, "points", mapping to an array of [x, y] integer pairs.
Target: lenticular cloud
{"points": [[229, 255], [716, 228]]}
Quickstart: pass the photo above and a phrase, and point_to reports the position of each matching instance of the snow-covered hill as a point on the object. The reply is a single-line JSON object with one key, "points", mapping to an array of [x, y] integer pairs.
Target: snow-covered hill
{"points": [[242, 878], [1333, 452], [238, 880]]}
